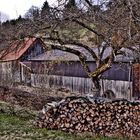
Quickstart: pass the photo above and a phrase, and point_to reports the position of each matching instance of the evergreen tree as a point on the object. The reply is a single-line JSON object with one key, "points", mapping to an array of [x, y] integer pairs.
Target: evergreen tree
{"points": [[45, 10], [32, 13], [70, 4], [69, 8]]}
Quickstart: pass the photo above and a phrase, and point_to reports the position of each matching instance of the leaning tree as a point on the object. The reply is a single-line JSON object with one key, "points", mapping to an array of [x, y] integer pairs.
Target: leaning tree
{"points": [[98, 24]]}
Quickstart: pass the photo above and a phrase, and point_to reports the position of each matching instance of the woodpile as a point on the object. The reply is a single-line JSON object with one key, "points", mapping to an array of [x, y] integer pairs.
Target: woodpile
{"points": [[101, 117]]}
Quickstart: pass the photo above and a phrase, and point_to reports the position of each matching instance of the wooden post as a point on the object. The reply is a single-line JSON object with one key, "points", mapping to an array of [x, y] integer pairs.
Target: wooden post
{"points": [[130, 90]]}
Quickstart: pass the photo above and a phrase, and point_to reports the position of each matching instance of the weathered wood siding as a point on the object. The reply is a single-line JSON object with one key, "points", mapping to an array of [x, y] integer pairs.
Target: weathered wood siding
{"points": [[122, 89], [136, 80], [16, 71], [75, 84], [35, 50], [10, 72], [74, 69], [25, 73], [5, 73]]}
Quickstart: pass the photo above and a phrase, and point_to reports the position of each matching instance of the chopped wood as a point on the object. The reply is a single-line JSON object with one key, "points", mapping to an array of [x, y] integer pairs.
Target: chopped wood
{"points": [[118, 117]]}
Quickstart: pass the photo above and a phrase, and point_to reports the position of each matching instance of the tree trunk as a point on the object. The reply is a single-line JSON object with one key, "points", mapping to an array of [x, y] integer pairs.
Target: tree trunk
{"points": [[96, 87]]}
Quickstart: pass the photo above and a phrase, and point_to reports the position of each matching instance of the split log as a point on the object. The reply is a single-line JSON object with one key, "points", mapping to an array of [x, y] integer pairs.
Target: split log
{"points": [[119, 117]]}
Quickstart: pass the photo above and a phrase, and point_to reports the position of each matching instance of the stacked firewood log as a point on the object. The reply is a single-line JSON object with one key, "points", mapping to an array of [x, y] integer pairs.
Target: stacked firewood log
{"points": [[103, 117]]}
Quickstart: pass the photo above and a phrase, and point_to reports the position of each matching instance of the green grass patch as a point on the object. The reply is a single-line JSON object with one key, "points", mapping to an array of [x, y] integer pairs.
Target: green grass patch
{"points": [[16, 128]]}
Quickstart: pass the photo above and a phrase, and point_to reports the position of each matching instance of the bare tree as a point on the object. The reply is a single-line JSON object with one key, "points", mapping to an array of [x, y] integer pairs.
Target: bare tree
{"points": [[32, 13], [108, 23]]}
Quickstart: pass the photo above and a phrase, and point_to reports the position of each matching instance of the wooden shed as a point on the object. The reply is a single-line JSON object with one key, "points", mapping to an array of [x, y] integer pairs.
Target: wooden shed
{"points": [[59, 69], [15, 60]]}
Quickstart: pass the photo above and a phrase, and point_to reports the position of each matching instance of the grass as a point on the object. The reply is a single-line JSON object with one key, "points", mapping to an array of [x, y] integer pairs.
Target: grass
{"points": [[15, 128]]}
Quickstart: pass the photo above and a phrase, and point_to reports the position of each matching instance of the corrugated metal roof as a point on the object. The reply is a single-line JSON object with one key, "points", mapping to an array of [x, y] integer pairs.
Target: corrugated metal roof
{"points": [[16, 49], [66, 56], [57, 55]]}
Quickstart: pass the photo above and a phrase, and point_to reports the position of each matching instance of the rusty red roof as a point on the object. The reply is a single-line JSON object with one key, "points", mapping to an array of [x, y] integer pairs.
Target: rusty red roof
{"points": [[16, 49]]}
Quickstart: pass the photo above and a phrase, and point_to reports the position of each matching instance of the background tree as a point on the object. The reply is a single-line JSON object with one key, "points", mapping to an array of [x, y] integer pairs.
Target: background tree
{"points": [[70, 5], [32, 13], [45, 10]]}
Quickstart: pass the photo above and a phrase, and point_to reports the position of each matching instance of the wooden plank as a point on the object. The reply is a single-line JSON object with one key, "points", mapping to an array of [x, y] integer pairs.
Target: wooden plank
{"points": [[136, 80], [122, 89], [6, 75]]}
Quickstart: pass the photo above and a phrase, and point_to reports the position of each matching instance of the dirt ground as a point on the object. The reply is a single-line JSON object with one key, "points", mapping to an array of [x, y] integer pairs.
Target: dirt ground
{"points": [[33, 98]]}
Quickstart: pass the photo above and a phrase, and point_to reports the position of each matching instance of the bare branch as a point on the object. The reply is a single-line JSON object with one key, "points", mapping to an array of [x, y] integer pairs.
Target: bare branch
{"points": [[87, 27], [81, 56]]}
